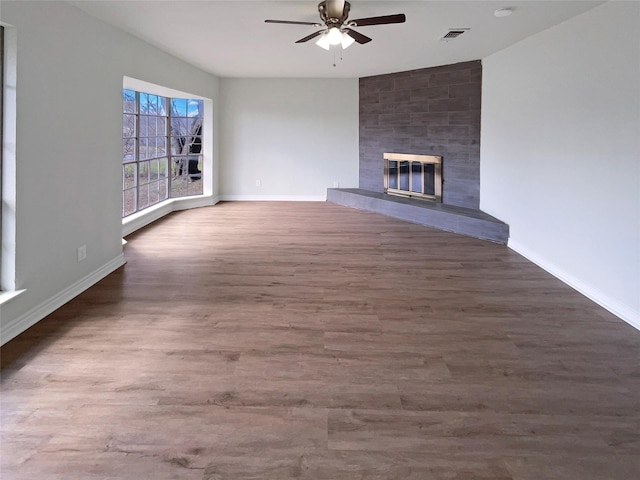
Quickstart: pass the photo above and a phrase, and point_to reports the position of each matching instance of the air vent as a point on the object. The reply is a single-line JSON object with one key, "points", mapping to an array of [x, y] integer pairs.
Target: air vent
{"points": [[453, 33]]}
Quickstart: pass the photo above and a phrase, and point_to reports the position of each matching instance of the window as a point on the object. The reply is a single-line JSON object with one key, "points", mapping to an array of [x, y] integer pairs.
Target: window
{"points": [[1, 122], [161, 149], [8, 74]]}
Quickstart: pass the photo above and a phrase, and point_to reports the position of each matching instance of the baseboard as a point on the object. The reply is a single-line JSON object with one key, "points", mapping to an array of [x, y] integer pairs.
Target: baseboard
{"points": [[273, 198], [33, 316], [622, 311]]}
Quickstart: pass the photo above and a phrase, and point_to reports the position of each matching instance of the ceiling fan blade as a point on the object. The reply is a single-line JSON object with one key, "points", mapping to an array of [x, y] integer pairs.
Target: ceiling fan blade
{"points": [[358, 37], [291, 22], [309, 37], [335, 8], [383, 20]]}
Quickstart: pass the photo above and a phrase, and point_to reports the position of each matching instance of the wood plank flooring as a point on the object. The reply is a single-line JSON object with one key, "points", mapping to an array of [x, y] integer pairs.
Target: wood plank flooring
{"points": [[312, 341]]}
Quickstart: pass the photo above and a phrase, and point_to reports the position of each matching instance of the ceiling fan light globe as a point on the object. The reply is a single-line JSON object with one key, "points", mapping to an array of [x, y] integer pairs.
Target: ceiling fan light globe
{"points": [[323, 42], [347, 41], [334, 36]]}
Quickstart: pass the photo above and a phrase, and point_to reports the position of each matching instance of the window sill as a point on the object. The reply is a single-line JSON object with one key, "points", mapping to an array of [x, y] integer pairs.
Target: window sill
{"points": [[6, 297], [143, 218]]}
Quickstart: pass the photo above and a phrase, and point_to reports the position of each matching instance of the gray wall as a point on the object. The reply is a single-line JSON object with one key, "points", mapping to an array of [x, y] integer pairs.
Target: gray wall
{"points": [[561, 109], [431, 111], [276, 131], [68, 146]]}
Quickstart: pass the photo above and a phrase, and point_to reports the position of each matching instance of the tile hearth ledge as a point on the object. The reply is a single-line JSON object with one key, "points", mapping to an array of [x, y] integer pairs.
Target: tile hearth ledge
{"points": [[452, 218]]}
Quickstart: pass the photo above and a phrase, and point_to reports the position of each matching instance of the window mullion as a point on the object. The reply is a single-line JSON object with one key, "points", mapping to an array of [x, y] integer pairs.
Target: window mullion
{"points": [[137, 153], [169, 150]]}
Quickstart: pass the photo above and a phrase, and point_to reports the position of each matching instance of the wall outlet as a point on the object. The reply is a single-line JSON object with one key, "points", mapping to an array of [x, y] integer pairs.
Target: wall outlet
{"points": [[258, 183], [336, 184], [82, 252]]}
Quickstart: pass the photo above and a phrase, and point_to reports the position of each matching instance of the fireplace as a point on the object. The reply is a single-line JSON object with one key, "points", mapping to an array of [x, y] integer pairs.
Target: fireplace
{"points": [[418, 176]]}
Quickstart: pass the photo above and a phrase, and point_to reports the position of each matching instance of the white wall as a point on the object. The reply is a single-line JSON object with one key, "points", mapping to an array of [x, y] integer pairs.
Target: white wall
{"points": [[560, 152], [70, 70], [297, 136]]}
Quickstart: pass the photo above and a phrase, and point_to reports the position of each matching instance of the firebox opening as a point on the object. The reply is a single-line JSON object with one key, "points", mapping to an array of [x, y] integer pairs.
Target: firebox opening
{"points": [[418, 176]]}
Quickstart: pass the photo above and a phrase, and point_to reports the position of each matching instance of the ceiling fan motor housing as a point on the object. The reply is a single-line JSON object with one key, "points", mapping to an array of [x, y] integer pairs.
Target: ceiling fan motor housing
{"points": [[334, 14], [332, 21]]}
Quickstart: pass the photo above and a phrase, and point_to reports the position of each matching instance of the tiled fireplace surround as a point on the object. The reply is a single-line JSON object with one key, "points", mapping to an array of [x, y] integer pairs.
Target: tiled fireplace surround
{"points": [[431, 111]]}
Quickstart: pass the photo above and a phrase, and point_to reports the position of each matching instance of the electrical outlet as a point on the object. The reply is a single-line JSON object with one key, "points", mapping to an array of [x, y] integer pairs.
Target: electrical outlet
{"points": [[258, 183], [82, 252], [336, 184]]}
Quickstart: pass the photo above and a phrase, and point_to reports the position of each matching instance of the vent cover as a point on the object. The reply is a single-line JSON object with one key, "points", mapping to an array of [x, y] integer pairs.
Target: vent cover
{"points": [[453, 33]]}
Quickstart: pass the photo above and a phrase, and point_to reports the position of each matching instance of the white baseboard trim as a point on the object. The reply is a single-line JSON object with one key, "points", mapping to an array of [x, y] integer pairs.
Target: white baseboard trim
{"points": [[273, 198], [622, 311], [33, 316]]}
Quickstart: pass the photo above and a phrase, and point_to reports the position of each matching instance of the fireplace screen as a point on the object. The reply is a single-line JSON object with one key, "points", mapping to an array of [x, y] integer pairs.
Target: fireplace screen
{"points": [[413, 175]]}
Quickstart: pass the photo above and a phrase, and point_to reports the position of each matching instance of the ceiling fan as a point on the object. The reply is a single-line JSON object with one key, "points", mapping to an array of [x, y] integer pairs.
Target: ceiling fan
{"points": [[338, 29]]}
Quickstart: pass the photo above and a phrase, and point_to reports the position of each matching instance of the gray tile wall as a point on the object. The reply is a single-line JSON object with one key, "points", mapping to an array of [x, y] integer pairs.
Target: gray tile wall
{"points": [[431, 111]]}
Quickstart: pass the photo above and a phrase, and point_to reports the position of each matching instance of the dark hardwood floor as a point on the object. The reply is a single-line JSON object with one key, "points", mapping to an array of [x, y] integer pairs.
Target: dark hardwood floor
{"points": [[312, 341]]}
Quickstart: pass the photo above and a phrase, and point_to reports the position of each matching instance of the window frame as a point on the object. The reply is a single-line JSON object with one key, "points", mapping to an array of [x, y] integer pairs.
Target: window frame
{"points": [[8, 284], [172, 169], [1, 129]]}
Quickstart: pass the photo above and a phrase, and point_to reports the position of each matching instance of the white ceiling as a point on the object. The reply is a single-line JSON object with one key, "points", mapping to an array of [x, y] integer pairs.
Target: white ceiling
{"points": [[230, 38]]}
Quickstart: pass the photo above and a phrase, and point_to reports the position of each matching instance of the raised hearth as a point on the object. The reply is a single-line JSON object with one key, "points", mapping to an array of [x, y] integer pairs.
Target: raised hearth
{"points": [[466, 221]]}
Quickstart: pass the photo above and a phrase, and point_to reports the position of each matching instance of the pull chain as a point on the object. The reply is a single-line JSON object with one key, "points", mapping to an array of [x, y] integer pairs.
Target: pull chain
{"points": [[335, 50]]}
